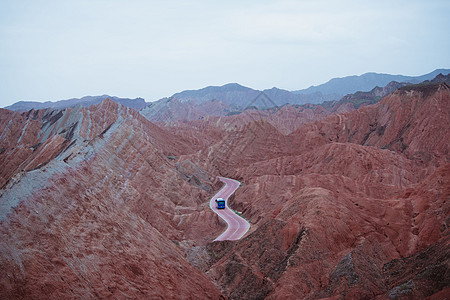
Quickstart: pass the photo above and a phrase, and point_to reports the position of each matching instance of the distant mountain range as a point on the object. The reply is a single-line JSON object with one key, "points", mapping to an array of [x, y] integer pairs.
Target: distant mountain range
{"points": [[234, 97], [365, 82], [238, 97]]}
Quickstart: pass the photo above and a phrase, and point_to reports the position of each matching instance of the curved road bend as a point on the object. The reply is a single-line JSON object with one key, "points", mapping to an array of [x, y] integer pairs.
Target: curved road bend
{"points": [[236, 225]]}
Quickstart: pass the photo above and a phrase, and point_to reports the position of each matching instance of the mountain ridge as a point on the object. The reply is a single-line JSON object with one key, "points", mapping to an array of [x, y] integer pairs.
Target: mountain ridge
{"points": [[99, 202], [21, 106], [366, 82], [239, 97]]}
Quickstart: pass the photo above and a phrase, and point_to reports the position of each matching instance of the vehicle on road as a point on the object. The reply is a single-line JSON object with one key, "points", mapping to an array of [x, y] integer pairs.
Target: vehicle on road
{"points": [[220, 203]]}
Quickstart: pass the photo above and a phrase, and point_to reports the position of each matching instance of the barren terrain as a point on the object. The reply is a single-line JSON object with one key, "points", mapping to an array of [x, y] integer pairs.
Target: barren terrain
{"points": [[99, 202]]}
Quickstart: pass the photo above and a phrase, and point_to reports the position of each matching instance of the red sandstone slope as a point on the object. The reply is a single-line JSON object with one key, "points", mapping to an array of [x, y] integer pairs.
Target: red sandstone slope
{"points": [[33, 138], [353, 206], [361, 199], [92, 211], [171, 110], [286, 119], [413, 121]]}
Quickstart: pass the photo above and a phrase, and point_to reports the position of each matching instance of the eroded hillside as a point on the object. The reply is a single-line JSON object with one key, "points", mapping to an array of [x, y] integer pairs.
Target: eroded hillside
{"points": [[97, 207], [99, 202], [338, 203]]}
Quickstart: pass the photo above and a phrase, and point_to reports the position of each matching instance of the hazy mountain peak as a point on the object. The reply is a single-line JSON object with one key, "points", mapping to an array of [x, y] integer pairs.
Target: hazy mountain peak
{"points": [[366, 82]]}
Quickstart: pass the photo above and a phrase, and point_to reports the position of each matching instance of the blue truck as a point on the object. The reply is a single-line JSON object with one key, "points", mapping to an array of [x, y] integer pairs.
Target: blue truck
{"points": [[220, 203]]}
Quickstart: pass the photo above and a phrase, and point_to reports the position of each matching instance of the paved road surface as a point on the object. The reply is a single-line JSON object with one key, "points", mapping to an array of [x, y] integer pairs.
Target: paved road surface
{"points": [[237, 226]]}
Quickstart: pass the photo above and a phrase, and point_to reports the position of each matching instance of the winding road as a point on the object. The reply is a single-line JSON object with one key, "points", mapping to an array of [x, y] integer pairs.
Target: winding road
{"points": [[237, 226]]}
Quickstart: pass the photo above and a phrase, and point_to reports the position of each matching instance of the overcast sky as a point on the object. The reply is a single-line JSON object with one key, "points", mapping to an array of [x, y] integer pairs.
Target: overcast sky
{"points": [[53, 50]]}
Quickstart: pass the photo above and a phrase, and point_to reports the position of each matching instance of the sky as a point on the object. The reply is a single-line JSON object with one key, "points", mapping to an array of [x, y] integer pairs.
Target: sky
{"points": [[61, 49]]}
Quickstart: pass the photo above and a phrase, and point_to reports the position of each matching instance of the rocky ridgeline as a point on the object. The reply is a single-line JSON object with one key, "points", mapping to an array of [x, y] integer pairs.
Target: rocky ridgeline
{"points": [[98, 206], [99, 202], [22, 106], [347, 207]]}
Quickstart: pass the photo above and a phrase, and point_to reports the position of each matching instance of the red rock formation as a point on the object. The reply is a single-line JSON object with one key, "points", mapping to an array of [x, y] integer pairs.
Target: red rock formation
{"points": [[412, 121], [356, 193], [354, 101], [97, 219], [286, 119], [171, 110], [99, 202]]}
